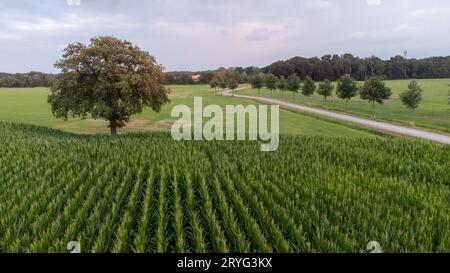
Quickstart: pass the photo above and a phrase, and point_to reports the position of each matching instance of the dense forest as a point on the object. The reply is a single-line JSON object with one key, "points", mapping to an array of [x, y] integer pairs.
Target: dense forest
{"points": [[331, 67]]}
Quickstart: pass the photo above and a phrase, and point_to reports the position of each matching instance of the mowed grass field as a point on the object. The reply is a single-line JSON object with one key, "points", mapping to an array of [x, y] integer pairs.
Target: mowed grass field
{"points": [[29, 106], [149, 193], [433, 113]]}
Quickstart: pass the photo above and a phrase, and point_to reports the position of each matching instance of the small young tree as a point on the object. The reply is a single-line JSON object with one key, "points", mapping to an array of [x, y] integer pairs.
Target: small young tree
{"points": [[108, 79], [308, 87], [271, 83], [232, 84], [215, 82], [257, 82], [346, 89], [375, 90], [222, 83], [412, 97], [293, 84], [281, 85], [244, 78], [325, 89]]}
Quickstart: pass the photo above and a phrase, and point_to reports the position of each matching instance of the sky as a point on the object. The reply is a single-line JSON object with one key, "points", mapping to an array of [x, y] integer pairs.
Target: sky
{"points": [[198, 35]]}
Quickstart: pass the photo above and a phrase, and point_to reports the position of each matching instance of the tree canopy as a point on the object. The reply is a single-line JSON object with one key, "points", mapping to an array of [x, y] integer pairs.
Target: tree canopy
{"points": [[293, 84], [325, 89], [215, 83], [222, 82], [232, 84], [282, 84], [309, 87], [347, 88], [257, 82], [271, 82], [375, 90], [108, 79]]}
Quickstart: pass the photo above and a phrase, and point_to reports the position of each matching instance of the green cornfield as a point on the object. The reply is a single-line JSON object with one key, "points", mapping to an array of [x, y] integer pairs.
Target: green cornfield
{"points": [[147, 193]]}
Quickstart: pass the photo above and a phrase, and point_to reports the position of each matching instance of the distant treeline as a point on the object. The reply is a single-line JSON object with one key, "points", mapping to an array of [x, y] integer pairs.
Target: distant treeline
{"points": [[185, 77], [333, 67], [31, 79]]}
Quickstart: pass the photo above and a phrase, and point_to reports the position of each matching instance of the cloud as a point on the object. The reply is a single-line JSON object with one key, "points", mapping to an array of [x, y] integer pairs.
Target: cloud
{"points": [[403, 27], [318, 4], [425, 12], [207, 34], [67, 24], [73, 2], [260, 34], [373, 2], [399, 33], [48, 25], [358, 35], [10, 36]]}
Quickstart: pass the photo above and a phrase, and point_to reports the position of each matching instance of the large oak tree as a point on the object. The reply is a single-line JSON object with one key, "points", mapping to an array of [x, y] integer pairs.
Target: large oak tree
{"points": [[108, 79]]}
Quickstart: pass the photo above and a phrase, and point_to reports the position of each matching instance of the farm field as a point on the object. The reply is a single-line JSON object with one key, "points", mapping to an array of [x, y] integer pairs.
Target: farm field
{"points": [[29, 106], [138, 193], [433, 113]]}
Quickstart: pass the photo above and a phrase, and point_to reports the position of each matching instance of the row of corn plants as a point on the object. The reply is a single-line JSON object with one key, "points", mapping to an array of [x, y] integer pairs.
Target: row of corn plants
{"points": [[146, 193]]}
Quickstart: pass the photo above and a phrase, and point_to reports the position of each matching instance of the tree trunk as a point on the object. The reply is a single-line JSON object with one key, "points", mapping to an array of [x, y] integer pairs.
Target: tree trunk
{"points": [[373, 107], [113, 127], [346, 106], [113, 131]]}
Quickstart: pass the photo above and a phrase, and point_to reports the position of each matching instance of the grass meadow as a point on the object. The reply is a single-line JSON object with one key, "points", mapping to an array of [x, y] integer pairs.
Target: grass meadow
{"points": [[29, 106]]}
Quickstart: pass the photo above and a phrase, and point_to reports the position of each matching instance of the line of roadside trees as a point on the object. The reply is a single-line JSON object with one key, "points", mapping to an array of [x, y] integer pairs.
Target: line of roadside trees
{"points": [[373, 90]]}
